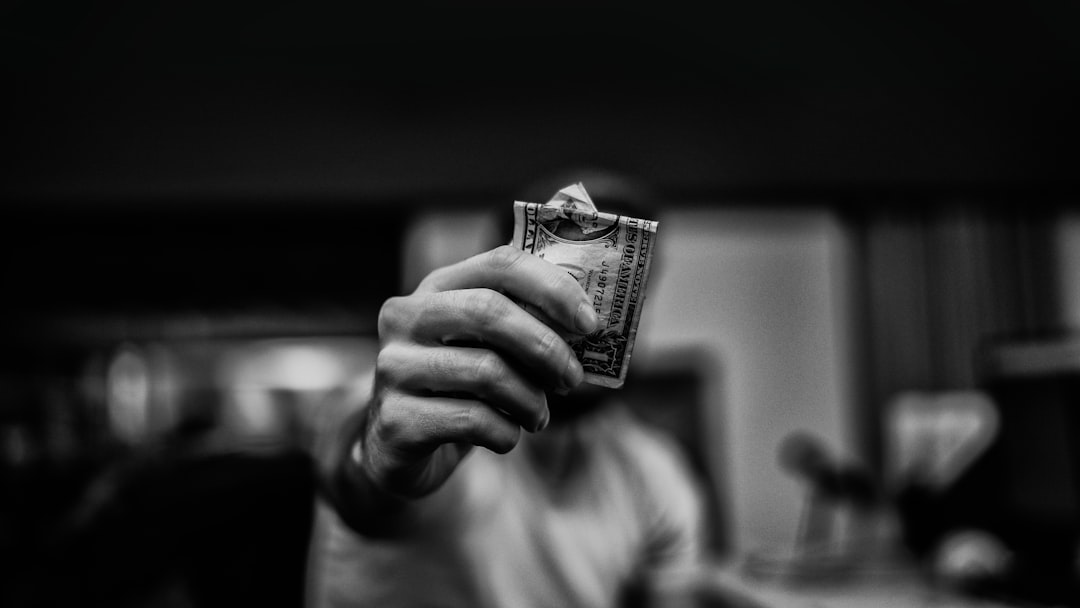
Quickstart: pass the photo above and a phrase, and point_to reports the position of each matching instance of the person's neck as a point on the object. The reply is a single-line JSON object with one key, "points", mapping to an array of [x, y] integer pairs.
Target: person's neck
{"points": [[560, 453], [556, 453]]}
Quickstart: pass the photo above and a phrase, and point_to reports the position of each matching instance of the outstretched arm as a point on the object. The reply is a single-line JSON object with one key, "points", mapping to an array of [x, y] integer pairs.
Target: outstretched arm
{"points": [[461, 363]]}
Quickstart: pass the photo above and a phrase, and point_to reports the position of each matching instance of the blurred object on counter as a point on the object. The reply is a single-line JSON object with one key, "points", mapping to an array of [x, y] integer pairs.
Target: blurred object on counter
{"points": [[998, 512], [970, 560], [932, 438], [845, 532]]}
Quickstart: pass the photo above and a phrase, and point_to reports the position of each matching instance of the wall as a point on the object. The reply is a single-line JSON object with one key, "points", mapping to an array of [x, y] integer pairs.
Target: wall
{"points": [[1068, 243], [766, 292]]}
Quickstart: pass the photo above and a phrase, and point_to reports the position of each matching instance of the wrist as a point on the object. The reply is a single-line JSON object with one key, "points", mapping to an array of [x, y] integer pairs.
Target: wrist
{"points": [[359, 501]]}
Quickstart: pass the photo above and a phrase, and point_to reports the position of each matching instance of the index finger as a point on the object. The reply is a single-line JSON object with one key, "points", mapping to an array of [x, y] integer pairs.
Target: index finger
{"points": [[523, 277]]}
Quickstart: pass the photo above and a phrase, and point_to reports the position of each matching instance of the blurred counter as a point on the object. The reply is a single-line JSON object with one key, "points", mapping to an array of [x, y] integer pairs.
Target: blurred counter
{"points": [[886, 587]]}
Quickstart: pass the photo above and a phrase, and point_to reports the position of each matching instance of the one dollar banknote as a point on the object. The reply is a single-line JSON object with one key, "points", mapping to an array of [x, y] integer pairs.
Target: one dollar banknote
{"points": [[610, 256]]}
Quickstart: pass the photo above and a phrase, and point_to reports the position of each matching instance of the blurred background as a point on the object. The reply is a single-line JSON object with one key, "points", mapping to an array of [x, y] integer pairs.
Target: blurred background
{"points": [[869, 236]]}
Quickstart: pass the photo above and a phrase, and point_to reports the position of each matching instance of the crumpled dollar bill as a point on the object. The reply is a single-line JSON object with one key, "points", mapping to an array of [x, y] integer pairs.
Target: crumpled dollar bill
{"points": [[609, 255]]}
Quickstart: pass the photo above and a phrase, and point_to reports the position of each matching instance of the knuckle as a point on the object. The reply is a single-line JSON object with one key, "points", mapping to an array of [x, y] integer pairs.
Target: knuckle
{"points": [[551, 346], [392, 421], [487, 368], [488, 306], [387, 364], [482, 427], [469, 422], [504, 258], [391, 315]]}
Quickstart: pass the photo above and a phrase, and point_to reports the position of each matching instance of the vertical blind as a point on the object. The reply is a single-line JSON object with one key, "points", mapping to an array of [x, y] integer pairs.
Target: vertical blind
{"points": [[939, 281]]}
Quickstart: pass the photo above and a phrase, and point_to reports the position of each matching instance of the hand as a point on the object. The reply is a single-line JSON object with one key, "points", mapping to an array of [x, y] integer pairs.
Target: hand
{"points": [[461, 363]]}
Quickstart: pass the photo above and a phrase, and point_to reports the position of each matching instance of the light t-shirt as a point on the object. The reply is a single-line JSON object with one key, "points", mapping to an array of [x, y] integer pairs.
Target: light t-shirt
{"points": [[498, 534]]}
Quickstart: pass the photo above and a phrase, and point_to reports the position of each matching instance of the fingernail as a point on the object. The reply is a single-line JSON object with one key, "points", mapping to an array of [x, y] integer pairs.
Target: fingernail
{"points": [[585, 319], [545, 421], [574, 374]]}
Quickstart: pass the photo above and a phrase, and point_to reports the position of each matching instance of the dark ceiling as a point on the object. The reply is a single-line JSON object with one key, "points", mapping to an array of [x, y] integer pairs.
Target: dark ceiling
{"points": [[765, 41], [342, 101]]}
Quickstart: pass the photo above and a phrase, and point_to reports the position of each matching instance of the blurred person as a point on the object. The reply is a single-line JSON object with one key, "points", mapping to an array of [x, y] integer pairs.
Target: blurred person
{"points": [[573, 501]]}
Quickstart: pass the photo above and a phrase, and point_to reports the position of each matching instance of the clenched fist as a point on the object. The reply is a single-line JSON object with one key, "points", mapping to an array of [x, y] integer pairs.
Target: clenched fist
{"points": [[464, 361]]}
